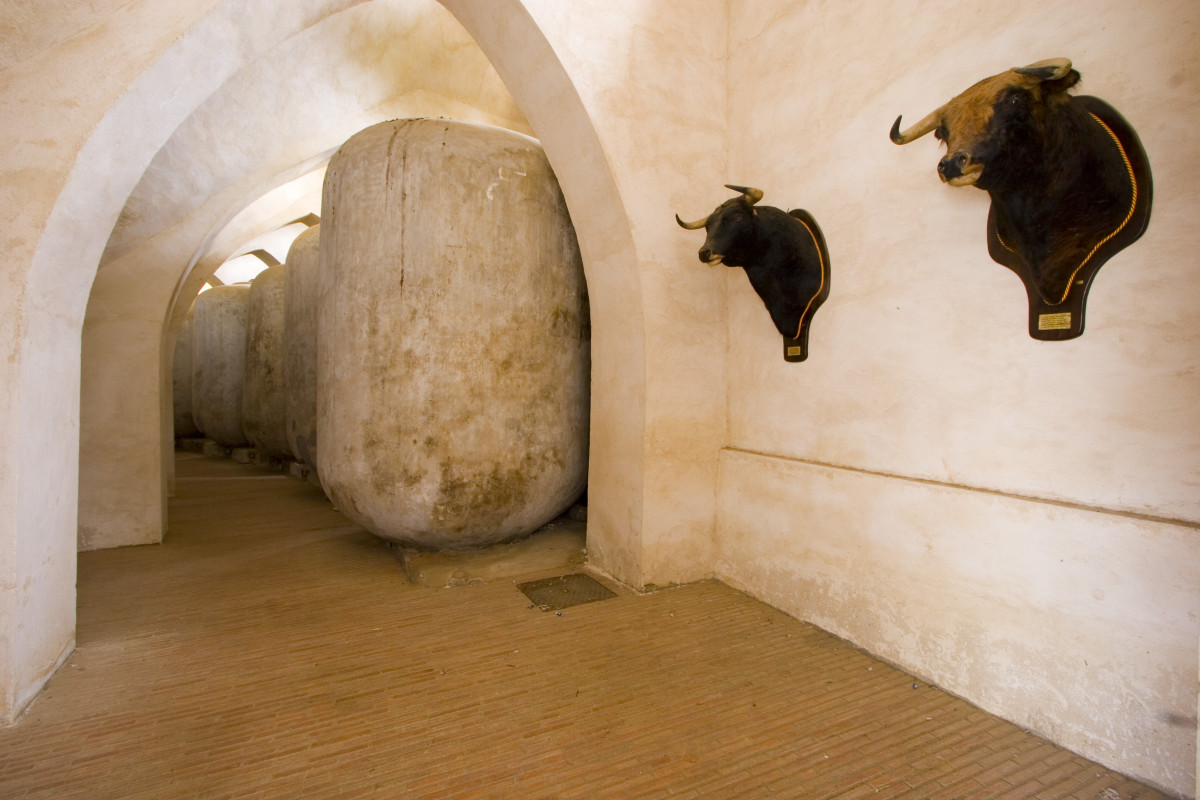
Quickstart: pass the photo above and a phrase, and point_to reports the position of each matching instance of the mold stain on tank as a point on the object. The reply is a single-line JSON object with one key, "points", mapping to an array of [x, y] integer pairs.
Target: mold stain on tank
{"points": [[568, 323], [479, 499]]}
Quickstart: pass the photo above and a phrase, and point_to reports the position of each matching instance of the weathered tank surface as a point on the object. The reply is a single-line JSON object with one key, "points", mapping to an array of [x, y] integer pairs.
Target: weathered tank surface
{"points": [[264, 406], [300, 344], [218, 363], [453, 367]]}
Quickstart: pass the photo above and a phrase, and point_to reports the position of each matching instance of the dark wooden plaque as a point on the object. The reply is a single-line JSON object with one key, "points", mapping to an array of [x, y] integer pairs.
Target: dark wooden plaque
{"points": [[797, 349]]}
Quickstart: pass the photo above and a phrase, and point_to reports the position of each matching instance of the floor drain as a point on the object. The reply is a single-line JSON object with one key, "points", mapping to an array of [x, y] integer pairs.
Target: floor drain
{"points": [[564, 591]]}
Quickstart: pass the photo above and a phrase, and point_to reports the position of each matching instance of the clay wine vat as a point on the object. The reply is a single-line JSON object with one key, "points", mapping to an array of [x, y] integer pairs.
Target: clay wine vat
{"points": [[218, 363], [453, 336], [300, 345], [264, 405]]}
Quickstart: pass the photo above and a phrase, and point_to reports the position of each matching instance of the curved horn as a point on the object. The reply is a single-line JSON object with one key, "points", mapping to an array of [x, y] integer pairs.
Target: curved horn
{"points": [[691, 226], [1049, 70], [752, 195], [931, 121]]}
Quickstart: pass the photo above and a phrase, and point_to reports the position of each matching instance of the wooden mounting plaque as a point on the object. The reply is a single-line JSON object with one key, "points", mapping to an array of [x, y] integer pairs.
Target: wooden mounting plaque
{"points": [[797, 349]]}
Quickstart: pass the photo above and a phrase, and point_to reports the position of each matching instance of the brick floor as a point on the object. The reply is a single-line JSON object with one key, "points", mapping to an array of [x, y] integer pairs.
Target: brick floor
{"points": [[270, 649]]}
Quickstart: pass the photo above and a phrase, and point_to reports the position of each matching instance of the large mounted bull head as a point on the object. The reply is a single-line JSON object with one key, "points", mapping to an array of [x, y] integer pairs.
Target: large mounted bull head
{"points": [[783, 253], [1069, 181]]}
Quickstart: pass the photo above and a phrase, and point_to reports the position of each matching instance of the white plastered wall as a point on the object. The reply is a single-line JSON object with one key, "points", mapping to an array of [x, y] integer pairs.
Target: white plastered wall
{"points": [[665, 141], [1014, 520], [62, 76]]}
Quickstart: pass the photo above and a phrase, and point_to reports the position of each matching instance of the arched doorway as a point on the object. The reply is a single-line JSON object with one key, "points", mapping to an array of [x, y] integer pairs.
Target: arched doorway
{"points": [[108, 166]]}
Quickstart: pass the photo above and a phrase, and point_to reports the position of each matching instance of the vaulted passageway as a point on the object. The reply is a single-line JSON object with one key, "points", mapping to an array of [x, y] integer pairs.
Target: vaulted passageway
{"points": [[1016, 521], [279, 651]]}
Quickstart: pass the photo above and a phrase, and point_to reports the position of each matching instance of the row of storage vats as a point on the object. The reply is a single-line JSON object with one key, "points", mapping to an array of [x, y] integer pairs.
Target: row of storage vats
{"points": [[425, 348]]}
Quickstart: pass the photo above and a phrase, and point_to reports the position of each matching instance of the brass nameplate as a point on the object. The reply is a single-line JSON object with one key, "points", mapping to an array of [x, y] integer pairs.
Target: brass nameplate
{"points": [[1054, 322], [794, 351]]}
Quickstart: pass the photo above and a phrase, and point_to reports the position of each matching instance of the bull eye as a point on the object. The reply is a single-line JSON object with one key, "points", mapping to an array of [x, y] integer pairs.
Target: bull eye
{"points": [[941, 133], [1013, 100]]}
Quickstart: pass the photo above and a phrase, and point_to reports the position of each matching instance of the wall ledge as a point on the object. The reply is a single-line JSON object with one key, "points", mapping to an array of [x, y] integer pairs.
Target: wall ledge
{"points": [[1186, 523]]}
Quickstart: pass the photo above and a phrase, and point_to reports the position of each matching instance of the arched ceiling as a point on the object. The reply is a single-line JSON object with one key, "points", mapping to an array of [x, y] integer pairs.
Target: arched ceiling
{"points": [[290, 110], [29, 27]]}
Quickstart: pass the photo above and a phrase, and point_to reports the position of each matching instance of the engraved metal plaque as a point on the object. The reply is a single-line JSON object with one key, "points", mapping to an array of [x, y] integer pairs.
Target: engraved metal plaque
{"points": [[1054, 322]]}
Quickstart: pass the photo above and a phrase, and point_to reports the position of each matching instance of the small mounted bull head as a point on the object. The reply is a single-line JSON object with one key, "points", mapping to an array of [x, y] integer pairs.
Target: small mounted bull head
{"points": [[783, 253], [1069, 181]]}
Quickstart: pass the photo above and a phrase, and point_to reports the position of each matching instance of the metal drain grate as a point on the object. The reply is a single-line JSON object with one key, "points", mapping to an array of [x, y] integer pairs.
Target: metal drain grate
{"points": [[564, 591]]}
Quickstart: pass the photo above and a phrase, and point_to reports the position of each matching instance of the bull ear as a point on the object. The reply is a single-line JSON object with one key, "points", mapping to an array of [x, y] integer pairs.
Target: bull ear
{"points": [[1052, 69], [1054, 74], [1062, 84]]}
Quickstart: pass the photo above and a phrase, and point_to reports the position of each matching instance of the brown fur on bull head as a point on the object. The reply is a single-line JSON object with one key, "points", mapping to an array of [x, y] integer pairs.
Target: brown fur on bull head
{"points": [[965, 123]]}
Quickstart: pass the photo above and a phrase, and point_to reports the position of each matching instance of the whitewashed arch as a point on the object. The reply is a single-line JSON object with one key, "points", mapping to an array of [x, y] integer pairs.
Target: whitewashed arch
{"points": [[43, 430]]}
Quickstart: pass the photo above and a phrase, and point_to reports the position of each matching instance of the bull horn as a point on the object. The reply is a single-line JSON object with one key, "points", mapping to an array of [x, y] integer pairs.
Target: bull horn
{"points": [[920, 129], [691, 226], [752, 195], [1051, 69]]}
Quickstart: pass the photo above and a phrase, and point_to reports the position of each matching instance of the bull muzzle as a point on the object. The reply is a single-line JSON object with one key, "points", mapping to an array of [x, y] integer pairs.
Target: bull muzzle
{"points": [[707, 256], [951, 167], [959, 170]]}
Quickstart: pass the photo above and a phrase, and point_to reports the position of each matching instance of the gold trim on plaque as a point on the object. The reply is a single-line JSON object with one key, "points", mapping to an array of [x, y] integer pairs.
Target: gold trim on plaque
{"points": [[821, 261]]}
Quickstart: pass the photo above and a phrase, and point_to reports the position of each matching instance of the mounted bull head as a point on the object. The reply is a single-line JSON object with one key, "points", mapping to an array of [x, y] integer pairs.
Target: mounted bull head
{"points": [[784, 256], [1069, 182]]}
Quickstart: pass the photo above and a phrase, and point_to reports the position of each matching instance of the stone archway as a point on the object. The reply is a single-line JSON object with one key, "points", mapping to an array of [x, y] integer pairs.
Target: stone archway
{"points": [[43, 418], [526, 63]]}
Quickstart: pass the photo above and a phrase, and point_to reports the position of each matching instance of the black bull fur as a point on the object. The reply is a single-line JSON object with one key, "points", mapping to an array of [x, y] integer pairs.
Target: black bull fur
{"points": [[1057, 188], [784, 256]]}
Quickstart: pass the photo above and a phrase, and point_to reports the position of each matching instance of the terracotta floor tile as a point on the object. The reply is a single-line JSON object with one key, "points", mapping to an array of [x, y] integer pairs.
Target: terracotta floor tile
{"points": [[271, 649]]}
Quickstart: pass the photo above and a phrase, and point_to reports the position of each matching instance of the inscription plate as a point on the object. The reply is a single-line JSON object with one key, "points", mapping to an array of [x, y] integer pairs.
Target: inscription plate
{"points": [[1054, 322]]}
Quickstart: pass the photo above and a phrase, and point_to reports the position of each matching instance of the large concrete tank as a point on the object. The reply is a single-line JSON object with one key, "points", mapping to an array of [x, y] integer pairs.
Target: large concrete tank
{"points": [[264, 408], [181, 380], [300, 344], [453, 329], [218, 363]]}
